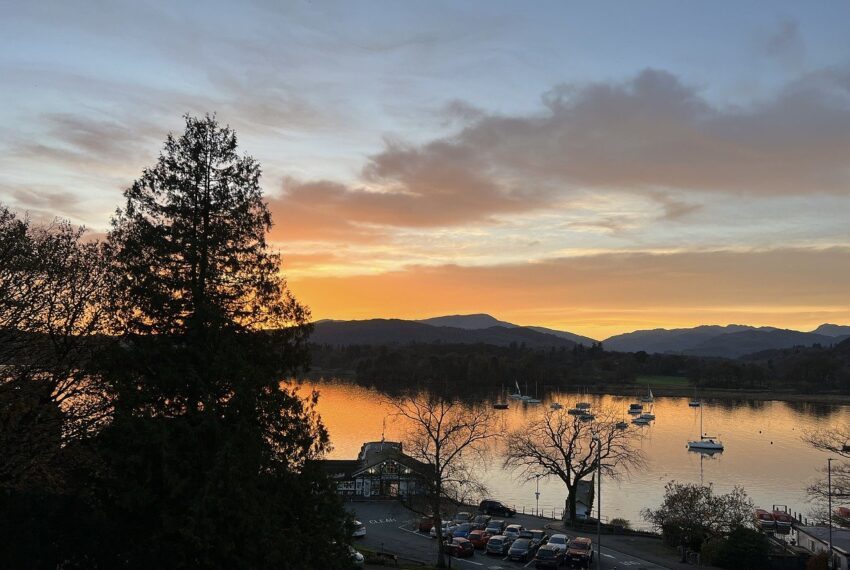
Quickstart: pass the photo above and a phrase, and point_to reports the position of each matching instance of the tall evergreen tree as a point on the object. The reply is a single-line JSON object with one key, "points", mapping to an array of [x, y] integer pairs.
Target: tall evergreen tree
{"points": [[208, 453]]}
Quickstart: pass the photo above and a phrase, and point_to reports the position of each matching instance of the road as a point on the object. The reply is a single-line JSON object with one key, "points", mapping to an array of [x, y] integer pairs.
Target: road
{"points": [[392, 528]]}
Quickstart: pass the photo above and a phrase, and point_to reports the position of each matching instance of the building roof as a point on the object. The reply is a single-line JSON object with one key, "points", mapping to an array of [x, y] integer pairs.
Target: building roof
{"points": [[372, 454], [339, 468], [840, 536]]}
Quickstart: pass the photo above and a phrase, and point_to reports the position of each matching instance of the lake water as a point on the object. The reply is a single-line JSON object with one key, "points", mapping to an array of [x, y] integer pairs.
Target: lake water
{"points": [[763, 452]]}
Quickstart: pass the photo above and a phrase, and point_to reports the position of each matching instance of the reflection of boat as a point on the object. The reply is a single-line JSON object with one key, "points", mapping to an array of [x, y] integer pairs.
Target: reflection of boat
{"points": [[529, 399], [765, 520], [705, 442], [635, 408], [649, 397]]}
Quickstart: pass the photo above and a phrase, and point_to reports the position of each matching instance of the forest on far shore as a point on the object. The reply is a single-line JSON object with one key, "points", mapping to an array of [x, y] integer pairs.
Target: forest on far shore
{"points": [[460, 368]]}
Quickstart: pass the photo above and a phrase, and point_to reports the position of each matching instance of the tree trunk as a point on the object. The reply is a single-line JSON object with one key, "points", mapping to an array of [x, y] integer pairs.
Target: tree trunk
{"points": [[438, 525], [571, 502]]}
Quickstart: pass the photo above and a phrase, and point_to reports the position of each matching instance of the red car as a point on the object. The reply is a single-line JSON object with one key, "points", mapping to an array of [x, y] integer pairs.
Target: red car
{"points": [[425, 524], [459, 547], [479, 538]]}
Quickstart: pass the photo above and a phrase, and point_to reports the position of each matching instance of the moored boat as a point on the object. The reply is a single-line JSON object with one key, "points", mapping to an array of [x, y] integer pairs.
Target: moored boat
{"points": [[783, 520], [500, 405], [765, 520], [622, 424], [649, 397], [635, 408], [641, 421]]}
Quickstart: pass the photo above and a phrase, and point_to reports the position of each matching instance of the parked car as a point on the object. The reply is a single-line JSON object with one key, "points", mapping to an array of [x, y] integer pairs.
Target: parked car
{"points": [[480, 522], [580, 552], [548, 556], [495, 527], [479, 538], [459, 547], [462, 517], [462, 530], [425, 524], [513, 530], [521, 549], [356, 558], [447, 528], [494, 507], [538, 537], [499, 544], [559, 541], [359, 530]]}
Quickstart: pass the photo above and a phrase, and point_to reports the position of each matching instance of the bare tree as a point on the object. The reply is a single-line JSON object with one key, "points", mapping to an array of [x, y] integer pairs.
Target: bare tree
{"points": [[836, 442], [567, 447], [52, 292], [450, 438]]}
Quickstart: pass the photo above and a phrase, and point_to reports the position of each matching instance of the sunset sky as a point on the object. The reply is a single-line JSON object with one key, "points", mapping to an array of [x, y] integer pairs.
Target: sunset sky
{"points": [[596, 167]]}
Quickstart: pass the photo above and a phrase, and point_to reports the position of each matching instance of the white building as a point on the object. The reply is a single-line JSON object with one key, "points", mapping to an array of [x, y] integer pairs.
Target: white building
{"points": [[816, 539]]}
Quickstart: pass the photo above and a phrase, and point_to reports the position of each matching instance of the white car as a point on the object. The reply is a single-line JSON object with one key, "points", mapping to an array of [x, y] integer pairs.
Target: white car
{"points": [[559, 541], [447, 528], [356, 557], [359, 530]]}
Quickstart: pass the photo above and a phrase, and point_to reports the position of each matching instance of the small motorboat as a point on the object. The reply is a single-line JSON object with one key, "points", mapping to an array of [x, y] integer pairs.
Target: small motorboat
{"points": [[765, 519], [556, 405], [635, 408], [694, 403], [622, 424], [783, 520], [500, 405], [641, 421]]}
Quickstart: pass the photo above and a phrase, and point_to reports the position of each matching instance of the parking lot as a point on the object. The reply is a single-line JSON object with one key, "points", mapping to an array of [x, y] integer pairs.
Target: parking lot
{"points": [[392, 528]]}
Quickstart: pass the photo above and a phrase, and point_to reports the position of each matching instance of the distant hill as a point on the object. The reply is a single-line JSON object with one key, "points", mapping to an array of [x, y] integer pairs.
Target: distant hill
{"points": [[668, 340], [833, 330], [469, 322], [737, 344], [576, 338], [484, 321], [397, 332]]}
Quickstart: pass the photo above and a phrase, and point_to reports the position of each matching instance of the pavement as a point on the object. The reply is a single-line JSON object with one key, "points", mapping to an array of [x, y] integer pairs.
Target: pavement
{"points": [[390, 527]]}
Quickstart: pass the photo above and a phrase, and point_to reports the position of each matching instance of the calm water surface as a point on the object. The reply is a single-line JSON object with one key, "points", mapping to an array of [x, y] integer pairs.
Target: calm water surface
{"points": [[763, 448]]}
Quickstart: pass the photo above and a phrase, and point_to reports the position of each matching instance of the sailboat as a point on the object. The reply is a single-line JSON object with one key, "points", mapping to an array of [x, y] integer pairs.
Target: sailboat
{"points": [[695, 402], [518, 394], [649, 397], [706, 442], [556, 405], [529, 399], [648, 415]]}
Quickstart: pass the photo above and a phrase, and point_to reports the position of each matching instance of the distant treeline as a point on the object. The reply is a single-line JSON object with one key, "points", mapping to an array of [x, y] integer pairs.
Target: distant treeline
{"points": [[475, 367]]}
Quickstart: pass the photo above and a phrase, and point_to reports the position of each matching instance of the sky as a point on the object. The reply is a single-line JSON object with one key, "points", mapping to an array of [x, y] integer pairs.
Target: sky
{"points": [[597, 167]]}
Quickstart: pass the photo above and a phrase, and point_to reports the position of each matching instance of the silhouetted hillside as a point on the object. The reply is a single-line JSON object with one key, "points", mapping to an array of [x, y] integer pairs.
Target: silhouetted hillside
{"points": [[833, 330], [735, 345], [399, 332], [484, 321], [668, 340]]}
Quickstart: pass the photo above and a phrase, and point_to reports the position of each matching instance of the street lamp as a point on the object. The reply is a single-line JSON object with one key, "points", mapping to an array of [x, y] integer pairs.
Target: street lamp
{"points": [[537, 497], [829, 504], [598, 442]]}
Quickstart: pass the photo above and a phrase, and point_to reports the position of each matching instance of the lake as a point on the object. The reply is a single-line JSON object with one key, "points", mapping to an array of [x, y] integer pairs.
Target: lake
{"points": [[763, 452]]}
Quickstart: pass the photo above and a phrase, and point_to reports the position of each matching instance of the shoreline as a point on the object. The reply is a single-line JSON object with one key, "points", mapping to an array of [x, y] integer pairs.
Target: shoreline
{"points": [[638, 390]]}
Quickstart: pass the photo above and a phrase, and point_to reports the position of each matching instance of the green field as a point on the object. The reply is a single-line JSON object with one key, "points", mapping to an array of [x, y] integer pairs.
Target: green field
{"points": [[663, 381]]}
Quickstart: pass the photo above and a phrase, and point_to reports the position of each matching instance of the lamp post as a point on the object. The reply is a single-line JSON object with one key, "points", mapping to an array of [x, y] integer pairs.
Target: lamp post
{"points": [[829, 504], [537, 498], [598, 442]]}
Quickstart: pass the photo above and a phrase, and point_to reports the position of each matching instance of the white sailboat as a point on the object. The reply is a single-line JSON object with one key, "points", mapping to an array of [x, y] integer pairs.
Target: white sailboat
{"points": [[649, 397], [529, 399], [518, 394], [705, 442]]}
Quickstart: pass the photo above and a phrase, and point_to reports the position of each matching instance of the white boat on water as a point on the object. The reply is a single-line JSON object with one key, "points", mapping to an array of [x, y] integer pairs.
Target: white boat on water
{"points": [[518, 394], [556, 405], [705, 442], [529, 399], [649, 397], [648, 415]]}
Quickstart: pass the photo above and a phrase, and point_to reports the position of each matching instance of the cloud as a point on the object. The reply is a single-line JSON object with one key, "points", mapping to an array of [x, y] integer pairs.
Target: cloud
{"points": [[785, 44], [652, 136]]}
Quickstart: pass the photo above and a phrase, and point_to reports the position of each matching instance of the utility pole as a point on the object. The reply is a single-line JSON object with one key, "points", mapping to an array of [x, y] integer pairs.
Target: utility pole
{"points": [[829, 504], [598, 442]]}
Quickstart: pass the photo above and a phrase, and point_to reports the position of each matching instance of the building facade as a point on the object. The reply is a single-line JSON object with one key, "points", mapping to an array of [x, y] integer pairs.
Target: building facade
{"points": [[816, 539], [380, 470]]}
